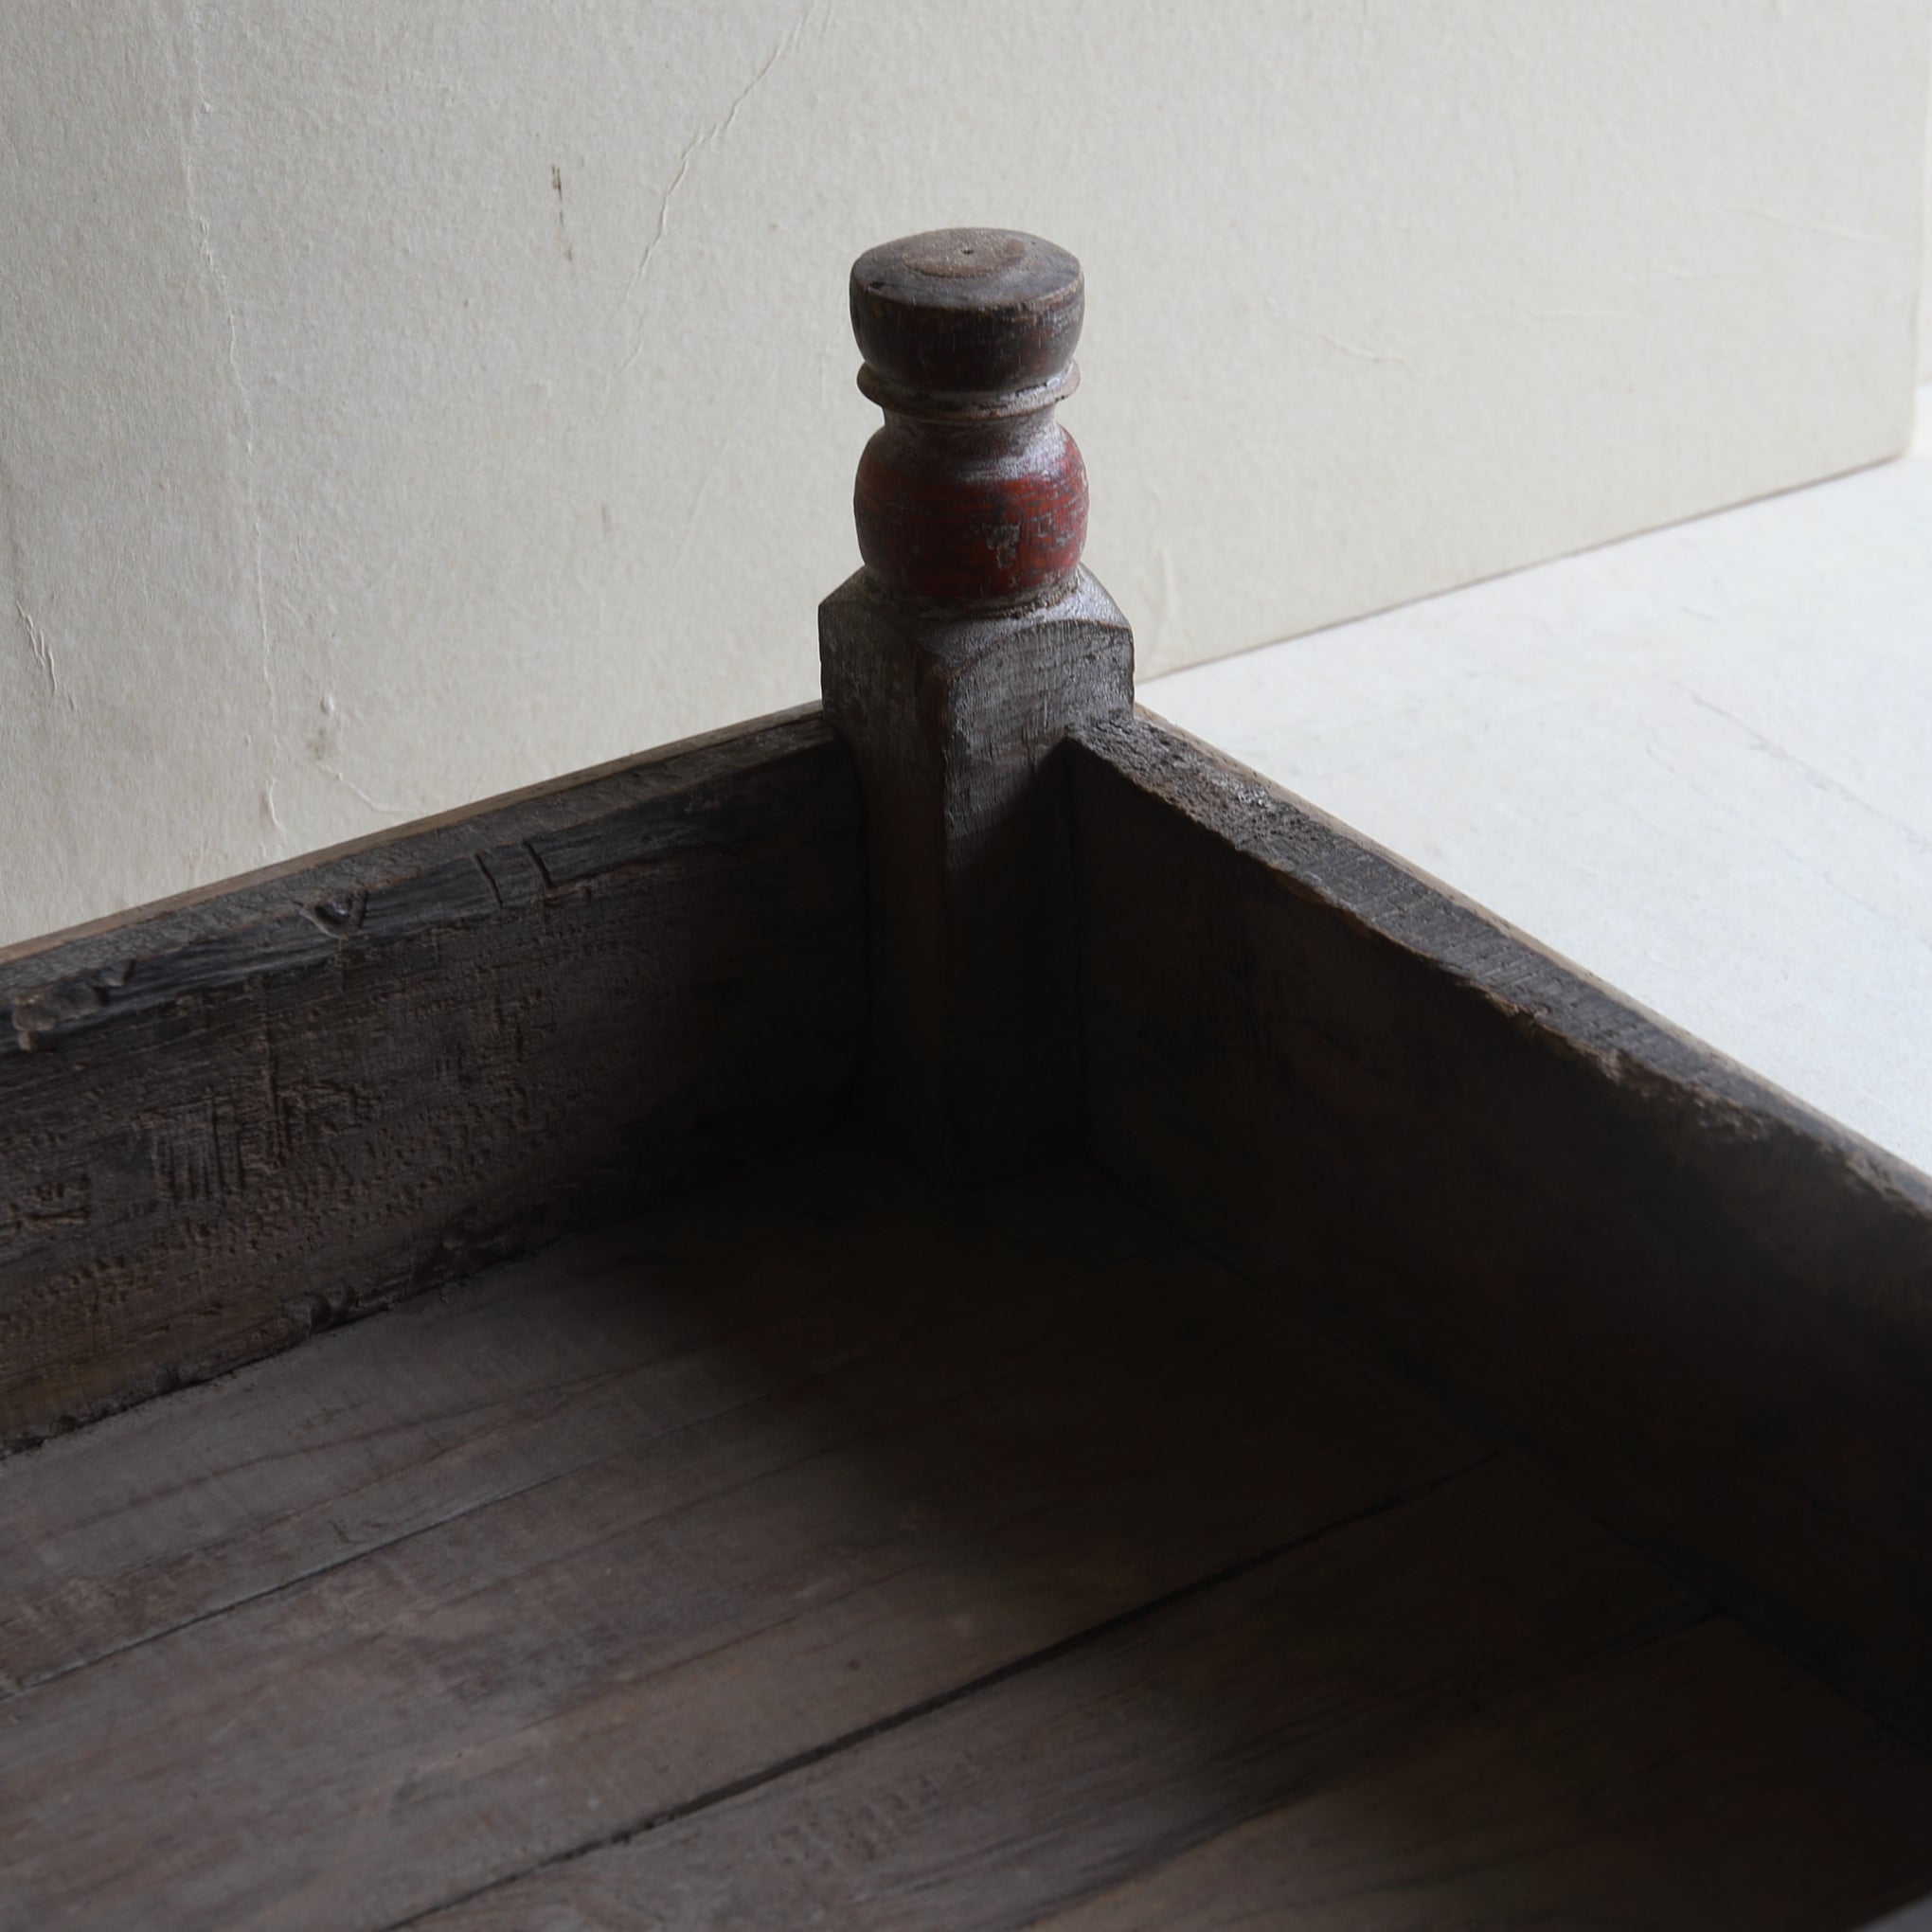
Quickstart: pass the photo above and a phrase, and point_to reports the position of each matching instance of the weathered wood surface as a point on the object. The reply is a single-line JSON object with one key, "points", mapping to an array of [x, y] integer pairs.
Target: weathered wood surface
{"points": [[861, 1445], [953, 664], [1698, 1781], [973, 1040], [176, 1511], [1705, 1310], [971, 494], [233, 1120], [1472, 1711]]}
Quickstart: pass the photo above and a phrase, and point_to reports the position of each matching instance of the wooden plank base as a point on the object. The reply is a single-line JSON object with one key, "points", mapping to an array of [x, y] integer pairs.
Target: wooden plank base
{"points": [[825, 1545]]}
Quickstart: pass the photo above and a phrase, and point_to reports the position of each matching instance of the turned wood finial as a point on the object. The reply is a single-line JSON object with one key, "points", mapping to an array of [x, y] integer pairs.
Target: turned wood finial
{"points": [[955, 666], [971, 495]]}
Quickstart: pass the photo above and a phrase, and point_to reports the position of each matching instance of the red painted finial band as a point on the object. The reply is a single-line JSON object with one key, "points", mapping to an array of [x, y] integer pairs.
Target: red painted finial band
{"points": [[971, 495]]}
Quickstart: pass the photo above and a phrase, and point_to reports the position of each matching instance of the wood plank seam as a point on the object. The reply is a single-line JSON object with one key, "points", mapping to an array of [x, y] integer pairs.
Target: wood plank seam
{"points": [[944, 1700], [1077, 1453], [17, 1686]]}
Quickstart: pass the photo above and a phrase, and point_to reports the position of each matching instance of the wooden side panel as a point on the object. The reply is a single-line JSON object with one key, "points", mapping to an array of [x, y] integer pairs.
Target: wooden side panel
{"points": [[1705, 1310], [231, 1121]]}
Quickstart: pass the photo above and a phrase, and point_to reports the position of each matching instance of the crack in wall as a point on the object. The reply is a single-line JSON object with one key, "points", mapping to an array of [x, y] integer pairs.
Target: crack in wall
{"points": [[716, 132], [342, 779], [1695, 778], [699, 497], [43, 651], [1818, 779], [38, 644], [1349, 349], [1832, 228]]}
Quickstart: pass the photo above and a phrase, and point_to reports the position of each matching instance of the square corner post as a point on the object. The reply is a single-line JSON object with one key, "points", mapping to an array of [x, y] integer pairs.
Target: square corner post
{"points": [[954, 665]]}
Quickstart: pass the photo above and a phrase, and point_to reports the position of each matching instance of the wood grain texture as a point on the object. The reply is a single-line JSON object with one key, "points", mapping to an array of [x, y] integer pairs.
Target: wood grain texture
{"points": [[1476, 1709], [955, 723], [1705, 1310], [231, 1120], [861, 1445], [1700, 1780], [176, 1511], [971, 495]]}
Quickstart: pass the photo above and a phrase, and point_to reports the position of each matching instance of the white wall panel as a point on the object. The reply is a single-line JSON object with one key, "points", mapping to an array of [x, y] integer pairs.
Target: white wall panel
{"points": [[398, 405]]}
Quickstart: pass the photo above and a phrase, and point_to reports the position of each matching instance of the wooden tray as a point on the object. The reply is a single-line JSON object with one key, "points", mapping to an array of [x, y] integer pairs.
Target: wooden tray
{"points": [[1103, 1352]]}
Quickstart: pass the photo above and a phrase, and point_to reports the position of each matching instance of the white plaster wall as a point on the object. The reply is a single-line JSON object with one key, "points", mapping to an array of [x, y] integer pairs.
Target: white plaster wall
{"points": [[398, 405], [1925, 268]]}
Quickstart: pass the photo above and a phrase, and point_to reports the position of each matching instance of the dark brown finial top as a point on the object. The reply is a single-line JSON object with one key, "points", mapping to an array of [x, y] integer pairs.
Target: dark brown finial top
{"points": [[971, 495], [972, 311]]}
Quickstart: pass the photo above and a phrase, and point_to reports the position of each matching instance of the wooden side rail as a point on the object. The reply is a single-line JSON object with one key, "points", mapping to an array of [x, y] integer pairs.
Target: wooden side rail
{"points": [[1704, 1309], [229, 1122]]}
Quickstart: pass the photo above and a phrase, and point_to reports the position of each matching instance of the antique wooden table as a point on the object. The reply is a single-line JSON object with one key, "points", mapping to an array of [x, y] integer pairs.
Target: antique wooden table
{"points": [[975, 1319]]}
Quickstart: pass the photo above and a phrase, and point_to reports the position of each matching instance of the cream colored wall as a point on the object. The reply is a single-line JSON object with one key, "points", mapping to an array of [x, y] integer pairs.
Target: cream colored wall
{"points": [[398, 405], [1925, 268]]}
